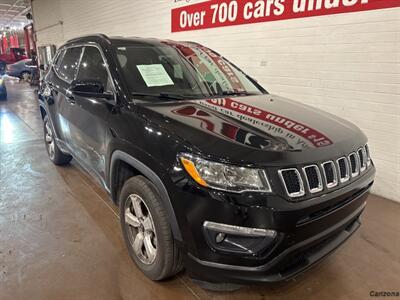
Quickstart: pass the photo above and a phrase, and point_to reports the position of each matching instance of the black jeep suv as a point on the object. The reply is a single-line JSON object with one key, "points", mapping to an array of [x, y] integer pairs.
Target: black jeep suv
{"points": [[209, 170]]}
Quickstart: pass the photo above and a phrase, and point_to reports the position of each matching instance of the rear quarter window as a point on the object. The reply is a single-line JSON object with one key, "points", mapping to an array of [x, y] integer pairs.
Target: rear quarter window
{"points": [[57, 59]]}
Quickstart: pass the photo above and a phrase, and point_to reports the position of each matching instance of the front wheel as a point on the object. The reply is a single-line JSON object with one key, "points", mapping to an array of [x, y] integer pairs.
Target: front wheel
{"points": [[146, 230], [25, 76], [54, 153]]}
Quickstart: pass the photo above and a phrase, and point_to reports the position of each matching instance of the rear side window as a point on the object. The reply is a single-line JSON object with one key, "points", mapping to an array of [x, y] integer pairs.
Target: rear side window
{"points": [[69, 64], [93, 67]]}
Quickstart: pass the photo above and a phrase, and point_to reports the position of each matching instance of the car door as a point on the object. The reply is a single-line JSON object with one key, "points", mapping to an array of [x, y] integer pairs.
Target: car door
{"points": [[88, 115], [58, 81]]}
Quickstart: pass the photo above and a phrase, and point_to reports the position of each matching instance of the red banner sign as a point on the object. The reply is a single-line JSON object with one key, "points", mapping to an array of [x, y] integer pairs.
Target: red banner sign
{"points": [[218, 13]]}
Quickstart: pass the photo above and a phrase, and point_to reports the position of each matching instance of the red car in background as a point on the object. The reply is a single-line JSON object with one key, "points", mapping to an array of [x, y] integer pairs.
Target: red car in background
{"points": [[14, 55]]}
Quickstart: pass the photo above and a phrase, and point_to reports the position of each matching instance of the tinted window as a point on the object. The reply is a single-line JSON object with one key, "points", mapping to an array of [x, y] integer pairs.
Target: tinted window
{"points": [[19, 51], [69, 63], [58, 59], [92, 67]]}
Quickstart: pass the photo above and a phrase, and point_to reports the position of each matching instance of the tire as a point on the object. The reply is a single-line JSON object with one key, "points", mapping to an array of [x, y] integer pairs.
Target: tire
{"points": [[167, 260], [54, 153]]}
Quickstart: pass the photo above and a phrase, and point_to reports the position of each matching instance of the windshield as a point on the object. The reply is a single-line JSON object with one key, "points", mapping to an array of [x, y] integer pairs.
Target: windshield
{"points": [[181, 71]]}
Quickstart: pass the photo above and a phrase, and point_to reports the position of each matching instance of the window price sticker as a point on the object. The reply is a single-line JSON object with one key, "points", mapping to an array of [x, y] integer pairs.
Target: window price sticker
{"points": [[154, 75]]}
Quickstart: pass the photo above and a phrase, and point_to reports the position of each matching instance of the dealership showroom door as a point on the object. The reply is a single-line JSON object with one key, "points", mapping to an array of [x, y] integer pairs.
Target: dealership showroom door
{"points": [[199, 149]]}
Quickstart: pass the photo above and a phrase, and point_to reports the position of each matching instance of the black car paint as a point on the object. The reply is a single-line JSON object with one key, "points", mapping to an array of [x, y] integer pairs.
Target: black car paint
{"points": [[150, 135], [3, 88]]}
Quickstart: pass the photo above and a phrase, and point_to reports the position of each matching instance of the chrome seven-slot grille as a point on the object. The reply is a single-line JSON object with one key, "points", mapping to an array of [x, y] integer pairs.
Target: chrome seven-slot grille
{"points": [[326, 175]]}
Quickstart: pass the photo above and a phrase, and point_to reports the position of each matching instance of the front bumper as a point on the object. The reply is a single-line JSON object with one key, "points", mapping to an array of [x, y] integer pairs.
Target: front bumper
{"points": [[307, 231], [288, 264]]}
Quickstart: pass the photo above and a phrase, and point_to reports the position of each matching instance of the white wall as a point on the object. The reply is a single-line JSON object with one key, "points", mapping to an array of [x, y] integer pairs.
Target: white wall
{"points": [[346, 64]]}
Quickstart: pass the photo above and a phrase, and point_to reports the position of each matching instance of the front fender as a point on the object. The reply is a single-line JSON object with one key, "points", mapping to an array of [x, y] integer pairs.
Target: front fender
{"points": [[154, 178]]}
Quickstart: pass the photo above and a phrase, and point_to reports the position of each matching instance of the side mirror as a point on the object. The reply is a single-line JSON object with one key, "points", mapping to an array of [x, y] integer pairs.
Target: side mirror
{"points": [[89, 88]]}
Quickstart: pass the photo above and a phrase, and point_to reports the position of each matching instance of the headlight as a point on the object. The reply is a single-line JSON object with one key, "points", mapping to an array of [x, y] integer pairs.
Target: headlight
{"points": [[225, 177]]}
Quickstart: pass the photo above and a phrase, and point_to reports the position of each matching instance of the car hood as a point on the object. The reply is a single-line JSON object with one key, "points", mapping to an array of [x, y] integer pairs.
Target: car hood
{"points": [[245, 128]]}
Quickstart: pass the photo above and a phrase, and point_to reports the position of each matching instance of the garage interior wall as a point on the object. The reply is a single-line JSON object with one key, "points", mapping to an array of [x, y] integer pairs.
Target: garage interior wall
{"points": [[346, 64]]}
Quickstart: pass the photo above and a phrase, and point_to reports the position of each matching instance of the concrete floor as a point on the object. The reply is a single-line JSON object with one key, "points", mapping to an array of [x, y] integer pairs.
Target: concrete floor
{"points": [[60, 236]]}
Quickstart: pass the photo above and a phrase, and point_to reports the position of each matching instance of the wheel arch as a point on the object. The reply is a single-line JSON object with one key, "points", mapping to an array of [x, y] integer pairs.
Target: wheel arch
{"points": [[119, 156], [25, 72]]}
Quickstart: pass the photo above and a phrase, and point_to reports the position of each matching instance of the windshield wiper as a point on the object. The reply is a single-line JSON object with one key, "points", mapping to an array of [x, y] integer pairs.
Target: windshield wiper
{"points": [[235, 93], [161, 96]]}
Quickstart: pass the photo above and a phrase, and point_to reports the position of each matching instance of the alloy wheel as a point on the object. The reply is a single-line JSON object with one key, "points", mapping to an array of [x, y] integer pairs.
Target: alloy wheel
{"points": [[140, 228], [25, 76], [49, 140]]}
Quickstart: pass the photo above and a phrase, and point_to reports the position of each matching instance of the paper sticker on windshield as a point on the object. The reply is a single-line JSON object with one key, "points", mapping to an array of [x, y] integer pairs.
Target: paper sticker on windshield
{"points": [[154, 75]]}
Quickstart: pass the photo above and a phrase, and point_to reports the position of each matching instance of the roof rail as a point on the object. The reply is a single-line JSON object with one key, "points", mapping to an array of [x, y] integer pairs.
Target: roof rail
{"points": [[191, 42], [98, 35]]}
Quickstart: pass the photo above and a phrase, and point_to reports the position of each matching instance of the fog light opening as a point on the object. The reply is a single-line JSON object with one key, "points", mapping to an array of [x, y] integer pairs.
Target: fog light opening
{"points": [[238, 239]]}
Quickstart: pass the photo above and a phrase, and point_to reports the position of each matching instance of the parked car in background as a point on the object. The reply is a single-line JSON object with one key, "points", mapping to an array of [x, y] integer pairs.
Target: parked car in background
{"points": [[23, 69], [14, 55]]}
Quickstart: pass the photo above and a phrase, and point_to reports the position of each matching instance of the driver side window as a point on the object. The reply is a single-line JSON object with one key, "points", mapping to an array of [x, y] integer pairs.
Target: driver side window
{"points": [[93, 67], [69, 63]]}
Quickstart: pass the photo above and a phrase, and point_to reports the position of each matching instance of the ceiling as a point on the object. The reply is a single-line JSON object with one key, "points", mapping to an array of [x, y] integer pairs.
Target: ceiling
{"points": [[13, 14]]}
